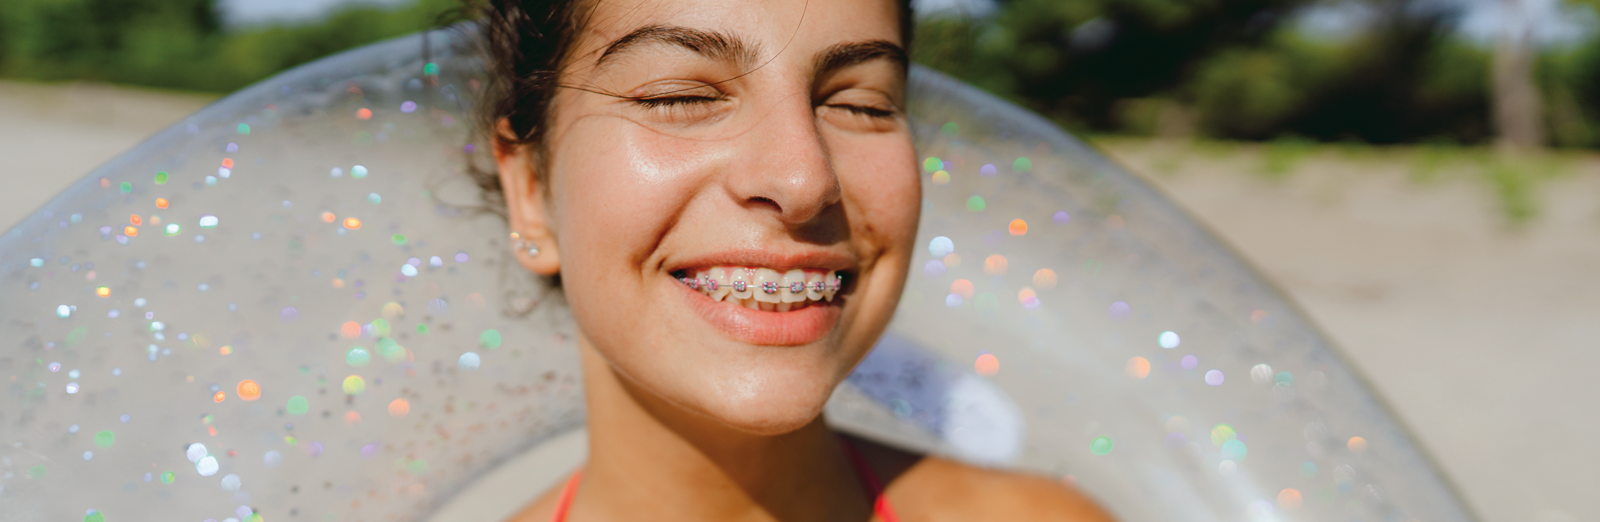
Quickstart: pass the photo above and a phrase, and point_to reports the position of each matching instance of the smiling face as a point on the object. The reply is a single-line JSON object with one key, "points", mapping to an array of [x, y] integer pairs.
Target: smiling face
{"points": [[704, 143]]}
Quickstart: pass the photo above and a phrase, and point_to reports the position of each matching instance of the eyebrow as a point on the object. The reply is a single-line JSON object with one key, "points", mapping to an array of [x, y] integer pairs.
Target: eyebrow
{"points": [[711, 44], [847, 54]]}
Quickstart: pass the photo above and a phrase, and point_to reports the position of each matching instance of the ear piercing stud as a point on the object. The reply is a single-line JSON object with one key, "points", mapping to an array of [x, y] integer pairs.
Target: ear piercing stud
{"points": [[520, 244]]}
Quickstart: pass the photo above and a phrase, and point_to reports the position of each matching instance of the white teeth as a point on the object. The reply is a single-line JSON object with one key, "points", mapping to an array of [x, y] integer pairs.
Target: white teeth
{"points": [[767, 282], [740, 277], [794, 286], [812, 291], [720, 276], [765, 288]]}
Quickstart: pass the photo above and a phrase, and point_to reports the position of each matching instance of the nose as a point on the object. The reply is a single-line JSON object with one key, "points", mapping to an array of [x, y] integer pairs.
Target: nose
{"points": [[787, 169]]}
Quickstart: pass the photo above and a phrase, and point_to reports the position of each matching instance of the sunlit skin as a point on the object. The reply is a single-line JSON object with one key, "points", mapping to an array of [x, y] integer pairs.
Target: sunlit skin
{"points": [[705, 133]]}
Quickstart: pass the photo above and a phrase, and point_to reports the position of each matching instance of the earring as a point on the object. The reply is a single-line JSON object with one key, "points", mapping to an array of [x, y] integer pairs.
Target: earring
{"points": [[518, 244]]}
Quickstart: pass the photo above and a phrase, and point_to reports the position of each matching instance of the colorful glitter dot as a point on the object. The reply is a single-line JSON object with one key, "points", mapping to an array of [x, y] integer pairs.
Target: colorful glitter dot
{"points": [[374, 198], [352, 223], [363, 113], [328, 217], [105, 439], [243, 128], [953, 301], [940, 246], [1168, 340], [219, 397], [161, 178], [932, 164], [489, 339], [1044, 278], [249, 390], [135, 220], [1137, 367], [102, 291], [1283, 379], [950, 129], [231, 483], [297, 405], [398, 239], [1018, 227], [408, 106], [975, 203], [161, 203], [357, 356], [399, 407], [1289, 498], [1357, 444], [933, 268], [1101, 446], [227, 162], [358, 172], [1028, 298], [172, 229], [961, 287], [1234, 450], [1190, 362], [1222, 433], [207, 466], [988, 170], [94, 516], [225, 349], [354, 385], [408, 270], [430, 69], [1119, 310], [995, 265], [1061, 218], [1214, 377], [126, 187], [941, 178], [469, 361], [169, 477], [130, 231], [987, 364], [350, 330], [208, 221], [63, 311], [1022, 165]]}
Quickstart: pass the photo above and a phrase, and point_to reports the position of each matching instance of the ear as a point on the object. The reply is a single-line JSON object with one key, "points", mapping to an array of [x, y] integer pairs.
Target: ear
{"points": [[526, 210]]}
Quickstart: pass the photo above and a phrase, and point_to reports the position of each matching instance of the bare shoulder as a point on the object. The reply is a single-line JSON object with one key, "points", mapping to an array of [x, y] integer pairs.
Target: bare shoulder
{"points": [[932, 489]]}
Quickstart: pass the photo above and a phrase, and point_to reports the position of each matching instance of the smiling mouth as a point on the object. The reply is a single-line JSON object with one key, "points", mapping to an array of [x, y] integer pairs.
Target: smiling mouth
{"points": [[764, 289]]}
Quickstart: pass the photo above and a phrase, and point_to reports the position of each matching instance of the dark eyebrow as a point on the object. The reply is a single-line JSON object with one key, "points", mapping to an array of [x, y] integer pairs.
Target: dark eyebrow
{"points": [[848, 54], [711, 44]]}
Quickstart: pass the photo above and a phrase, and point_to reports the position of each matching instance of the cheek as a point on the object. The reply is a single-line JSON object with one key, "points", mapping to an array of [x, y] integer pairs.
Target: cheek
{"points": [[879, 178], [618, 188]]}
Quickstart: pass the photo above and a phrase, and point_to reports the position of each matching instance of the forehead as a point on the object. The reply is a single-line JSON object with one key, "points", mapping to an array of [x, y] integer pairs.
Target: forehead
{"points": [[798, 27]]}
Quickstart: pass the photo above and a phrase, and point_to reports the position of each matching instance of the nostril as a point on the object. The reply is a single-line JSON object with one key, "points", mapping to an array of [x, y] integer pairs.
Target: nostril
{"points": [[766, 202]]}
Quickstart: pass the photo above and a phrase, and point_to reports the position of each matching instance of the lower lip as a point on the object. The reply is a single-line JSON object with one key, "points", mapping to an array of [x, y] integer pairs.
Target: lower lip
{"points": [[793, 328]]}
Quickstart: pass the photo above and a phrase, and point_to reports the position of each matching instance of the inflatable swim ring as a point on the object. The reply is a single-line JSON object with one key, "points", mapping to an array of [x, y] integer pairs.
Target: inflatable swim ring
{"points": [[289, 307]]}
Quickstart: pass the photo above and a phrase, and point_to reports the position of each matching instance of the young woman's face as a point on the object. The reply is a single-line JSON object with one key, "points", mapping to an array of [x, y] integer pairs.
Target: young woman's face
{"points": [[737, 143]]}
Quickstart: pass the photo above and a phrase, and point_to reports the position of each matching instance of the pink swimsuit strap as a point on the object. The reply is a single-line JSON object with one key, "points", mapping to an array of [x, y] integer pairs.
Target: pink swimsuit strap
{"points": [[869, 480]]}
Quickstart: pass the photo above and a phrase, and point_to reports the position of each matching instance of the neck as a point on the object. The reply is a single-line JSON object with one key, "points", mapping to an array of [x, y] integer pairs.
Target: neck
{"points": [[650, 459]]}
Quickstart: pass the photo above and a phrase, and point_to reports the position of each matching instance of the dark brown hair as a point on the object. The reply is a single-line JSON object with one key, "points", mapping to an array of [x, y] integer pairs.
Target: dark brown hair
{"points": [[524, 44]]}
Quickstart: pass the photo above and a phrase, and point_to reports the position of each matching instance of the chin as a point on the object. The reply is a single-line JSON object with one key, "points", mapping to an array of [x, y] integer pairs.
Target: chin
{"points": [[768, 404]]}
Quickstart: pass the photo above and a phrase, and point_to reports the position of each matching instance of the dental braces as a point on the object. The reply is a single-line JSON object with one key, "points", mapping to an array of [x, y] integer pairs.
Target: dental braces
{"points": [[769, 287]]}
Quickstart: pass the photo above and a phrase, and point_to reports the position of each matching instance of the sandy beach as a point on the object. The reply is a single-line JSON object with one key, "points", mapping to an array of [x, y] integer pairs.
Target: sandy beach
{"points": [[1479, 332]]}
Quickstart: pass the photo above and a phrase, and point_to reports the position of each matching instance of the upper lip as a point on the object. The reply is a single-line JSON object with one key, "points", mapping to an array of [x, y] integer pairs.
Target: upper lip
{"points": [[775, 259]]}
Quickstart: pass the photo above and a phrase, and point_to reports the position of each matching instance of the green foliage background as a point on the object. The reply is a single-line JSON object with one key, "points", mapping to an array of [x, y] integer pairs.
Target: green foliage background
{"points": [[1231, 69]]}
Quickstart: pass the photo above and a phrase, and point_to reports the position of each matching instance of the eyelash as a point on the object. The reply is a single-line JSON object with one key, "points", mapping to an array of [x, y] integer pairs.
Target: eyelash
{"points": [[670, 102]]}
